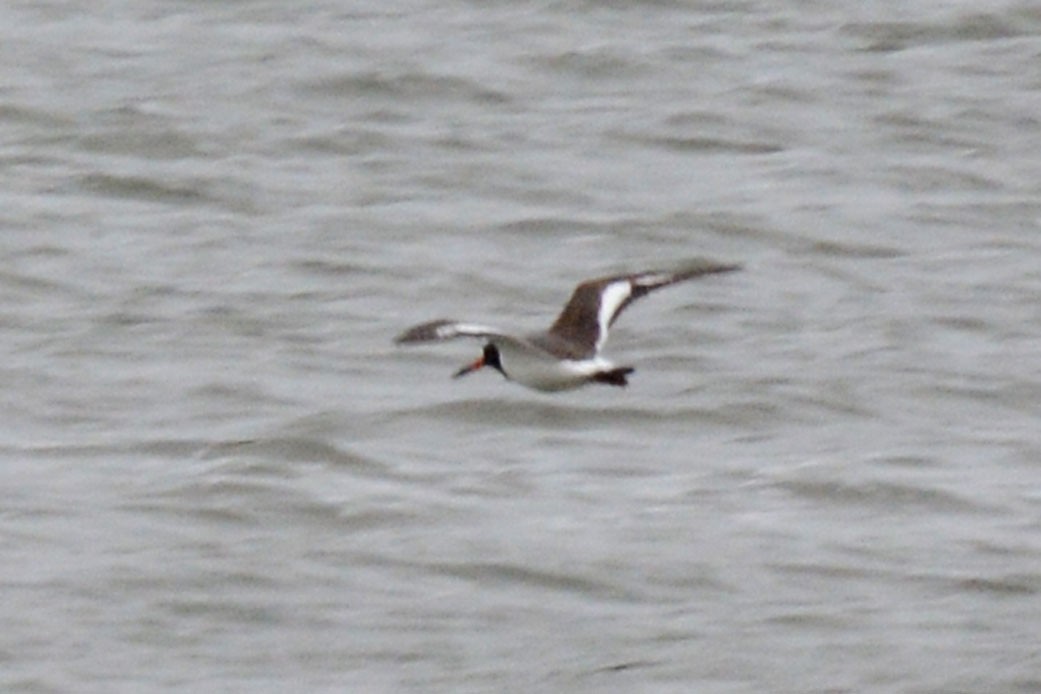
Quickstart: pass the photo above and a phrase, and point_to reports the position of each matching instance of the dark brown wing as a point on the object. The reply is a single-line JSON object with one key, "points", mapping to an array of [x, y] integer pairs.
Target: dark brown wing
{"points": [[596, 304]]}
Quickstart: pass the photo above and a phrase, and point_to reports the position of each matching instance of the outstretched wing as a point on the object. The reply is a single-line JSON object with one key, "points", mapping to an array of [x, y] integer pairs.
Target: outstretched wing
{"points": [[444, 329], [439, 330], [596, 304]]}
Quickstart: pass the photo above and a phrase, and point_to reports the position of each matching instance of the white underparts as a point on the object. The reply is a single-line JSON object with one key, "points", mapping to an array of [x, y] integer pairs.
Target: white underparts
{"points": [[543, 371]]}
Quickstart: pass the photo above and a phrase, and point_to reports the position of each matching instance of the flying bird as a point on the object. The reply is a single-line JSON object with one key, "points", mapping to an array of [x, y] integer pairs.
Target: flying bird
{"points": [[568, 354]]}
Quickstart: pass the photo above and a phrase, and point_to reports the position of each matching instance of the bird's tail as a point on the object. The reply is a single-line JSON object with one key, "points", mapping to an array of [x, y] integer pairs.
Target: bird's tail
{"points": [[614, 377]]}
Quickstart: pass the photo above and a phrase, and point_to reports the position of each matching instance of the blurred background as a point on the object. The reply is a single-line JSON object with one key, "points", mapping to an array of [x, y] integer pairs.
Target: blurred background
{"points": [[218, 472]]}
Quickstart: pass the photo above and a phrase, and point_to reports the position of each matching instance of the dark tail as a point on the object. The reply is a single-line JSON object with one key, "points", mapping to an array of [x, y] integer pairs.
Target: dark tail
{"points": [[614, 377]]}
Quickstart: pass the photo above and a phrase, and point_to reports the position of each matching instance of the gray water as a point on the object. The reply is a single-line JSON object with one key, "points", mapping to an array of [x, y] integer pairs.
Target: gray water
{"points": [[219, 474]]}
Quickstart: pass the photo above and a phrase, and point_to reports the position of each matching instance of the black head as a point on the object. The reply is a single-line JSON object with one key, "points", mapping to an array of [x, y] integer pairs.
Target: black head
{"points": [[489, 357]]}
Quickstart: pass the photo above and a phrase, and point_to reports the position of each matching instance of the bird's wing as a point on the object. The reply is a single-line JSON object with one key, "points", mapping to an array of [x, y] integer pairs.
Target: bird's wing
{"points": [[596, 304], [444, 329]]}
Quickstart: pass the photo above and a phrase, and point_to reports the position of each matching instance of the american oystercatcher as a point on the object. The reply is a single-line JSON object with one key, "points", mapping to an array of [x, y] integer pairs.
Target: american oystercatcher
{"points": [[568, 354]]}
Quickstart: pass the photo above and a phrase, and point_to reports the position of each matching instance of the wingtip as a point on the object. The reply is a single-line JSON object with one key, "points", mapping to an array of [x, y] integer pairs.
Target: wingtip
{"points": [[705, 266], [424, 332], [691, 269]]}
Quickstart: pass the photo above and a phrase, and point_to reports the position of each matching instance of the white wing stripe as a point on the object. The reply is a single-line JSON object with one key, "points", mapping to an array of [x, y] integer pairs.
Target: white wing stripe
{"points": [[611, 299], [653, 279], [451, 330]]}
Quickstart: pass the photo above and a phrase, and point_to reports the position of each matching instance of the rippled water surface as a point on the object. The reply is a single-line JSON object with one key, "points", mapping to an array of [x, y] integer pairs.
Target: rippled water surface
{"points": [[219, 474]]}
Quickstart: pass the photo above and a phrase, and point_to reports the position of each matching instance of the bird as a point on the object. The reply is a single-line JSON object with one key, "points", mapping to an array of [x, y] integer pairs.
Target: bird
{"points": [[567, 355]]}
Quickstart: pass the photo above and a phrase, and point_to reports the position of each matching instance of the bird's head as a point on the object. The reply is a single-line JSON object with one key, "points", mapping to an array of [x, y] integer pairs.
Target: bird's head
{"points": [[489, 357]]}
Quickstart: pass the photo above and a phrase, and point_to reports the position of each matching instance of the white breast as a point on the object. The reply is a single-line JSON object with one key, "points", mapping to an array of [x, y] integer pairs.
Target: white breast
{"points": [[542, 371]]}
